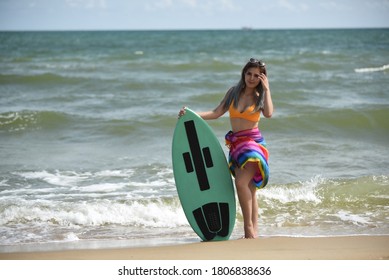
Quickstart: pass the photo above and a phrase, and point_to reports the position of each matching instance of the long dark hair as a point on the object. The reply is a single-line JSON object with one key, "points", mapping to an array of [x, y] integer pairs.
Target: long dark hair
{"points": [[234, 92]]}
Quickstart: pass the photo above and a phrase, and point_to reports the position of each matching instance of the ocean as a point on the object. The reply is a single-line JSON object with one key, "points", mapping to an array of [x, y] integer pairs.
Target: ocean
{"points": [[87, 118]]}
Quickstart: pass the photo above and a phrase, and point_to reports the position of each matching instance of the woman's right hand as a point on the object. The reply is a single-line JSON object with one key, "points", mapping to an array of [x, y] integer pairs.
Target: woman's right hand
{"points": [[182, 112]]}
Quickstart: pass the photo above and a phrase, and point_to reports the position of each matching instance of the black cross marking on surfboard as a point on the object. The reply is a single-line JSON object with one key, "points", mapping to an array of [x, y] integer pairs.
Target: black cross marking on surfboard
{"points": [[197, 155], [212, 218]]}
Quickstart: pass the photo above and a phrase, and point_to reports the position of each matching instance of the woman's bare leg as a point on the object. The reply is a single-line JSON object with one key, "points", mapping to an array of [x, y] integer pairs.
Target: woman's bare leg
{"points": [[247, 198], [254, 209]]}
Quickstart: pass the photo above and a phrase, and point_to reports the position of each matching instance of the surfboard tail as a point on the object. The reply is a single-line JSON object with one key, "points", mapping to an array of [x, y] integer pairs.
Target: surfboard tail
{"points": [[213, 219]]}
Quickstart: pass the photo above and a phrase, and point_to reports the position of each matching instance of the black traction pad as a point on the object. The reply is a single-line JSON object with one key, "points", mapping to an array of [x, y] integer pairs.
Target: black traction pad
{"points": [[213, 219]]}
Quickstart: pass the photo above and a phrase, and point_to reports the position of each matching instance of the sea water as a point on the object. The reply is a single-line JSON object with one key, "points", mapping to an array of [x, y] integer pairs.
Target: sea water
{"points": [[87, 118]]}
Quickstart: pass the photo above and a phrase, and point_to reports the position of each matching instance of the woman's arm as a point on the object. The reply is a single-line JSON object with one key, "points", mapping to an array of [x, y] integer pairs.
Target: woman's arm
{"points": [[268, 102], [210, 115], [268, 106], [215, 113]]}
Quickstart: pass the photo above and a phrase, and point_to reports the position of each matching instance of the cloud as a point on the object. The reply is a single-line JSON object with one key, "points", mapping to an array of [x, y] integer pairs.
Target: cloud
{"points": [[332, 5], [228, 5], [286, 5], [293, 7], [158, 5], [87, 4], [193, 5]]}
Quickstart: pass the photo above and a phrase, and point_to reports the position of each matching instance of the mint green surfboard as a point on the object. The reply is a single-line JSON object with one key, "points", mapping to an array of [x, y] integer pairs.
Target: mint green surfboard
{"points": [[203, 180]]}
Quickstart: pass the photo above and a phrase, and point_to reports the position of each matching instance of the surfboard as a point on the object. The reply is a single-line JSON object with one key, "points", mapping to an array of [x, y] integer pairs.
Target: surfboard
{"points": [[203, 180]]}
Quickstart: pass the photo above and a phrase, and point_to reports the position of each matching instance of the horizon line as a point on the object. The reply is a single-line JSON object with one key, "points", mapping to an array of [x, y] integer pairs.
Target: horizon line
{"points": [[243, 29]]}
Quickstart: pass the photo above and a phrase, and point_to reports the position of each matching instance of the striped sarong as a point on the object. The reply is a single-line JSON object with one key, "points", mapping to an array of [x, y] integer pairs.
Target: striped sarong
{"points": [[249, 146]]}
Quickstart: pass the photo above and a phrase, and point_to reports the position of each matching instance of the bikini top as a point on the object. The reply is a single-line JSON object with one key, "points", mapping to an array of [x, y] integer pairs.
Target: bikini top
{"points": [[248, 114]]}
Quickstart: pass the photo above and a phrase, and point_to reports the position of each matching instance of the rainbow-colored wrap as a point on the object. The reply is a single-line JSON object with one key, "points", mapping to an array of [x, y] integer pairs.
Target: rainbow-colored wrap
{"points": [[249, 146]]}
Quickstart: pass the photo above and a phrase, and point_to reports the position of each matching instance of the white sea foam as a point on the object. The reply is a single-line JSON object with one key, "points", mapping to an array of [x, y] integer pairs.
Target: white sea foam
{"points": [[70, 237], [20, 119], [372, 69], [355, 219], [57, 178], [304, 191], [154, 183], [145, 213], [3, 183], [115, 173], [76, 179], [104, 187]]}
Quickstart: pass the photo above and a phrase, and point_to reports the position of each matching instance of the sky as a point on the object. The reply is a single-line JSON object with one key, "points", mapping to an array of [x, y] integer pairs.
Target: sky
{"points": [[191, 14]]}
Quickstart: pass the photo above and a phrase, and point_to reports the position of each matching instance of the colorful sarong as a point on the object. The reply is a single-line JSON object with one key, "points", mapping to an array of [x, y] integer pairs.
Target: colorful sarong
{"points": [[249, 146]]}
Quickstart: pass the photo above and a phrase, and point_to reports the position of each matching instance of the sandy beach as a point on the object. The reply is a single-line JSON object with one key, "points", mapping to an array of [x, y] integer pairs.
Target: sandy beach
{"points": [[271, 248]]}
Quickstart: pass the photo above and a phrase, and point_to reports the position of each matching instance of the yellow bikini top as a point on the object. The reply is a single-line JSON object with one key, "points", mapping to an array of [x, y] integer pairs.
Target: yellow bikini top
{"points": [[248, 114]]}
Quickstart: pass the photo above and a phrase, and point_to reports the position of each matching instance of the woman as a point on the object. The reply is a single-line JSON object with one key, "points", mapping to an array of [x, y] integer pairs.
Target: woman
{"points": [[248, 154]]}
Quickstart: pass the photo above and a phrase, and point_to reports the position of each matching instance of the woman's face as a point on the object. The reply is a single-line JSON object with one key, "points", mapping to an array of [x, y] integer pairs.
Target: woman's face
{"points": [[251, 77]]}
